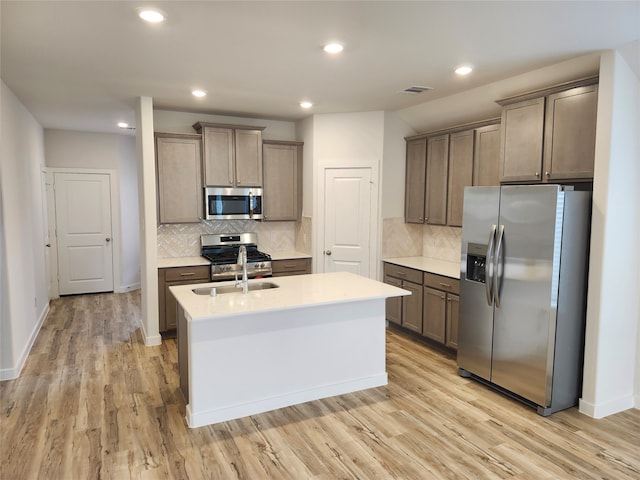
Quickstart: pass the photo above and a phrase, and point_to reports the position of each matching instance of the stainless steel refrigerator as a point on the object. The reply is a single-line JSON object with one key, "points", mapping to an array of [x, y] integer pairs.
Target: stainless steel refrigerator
{"points": [[523, 277]]}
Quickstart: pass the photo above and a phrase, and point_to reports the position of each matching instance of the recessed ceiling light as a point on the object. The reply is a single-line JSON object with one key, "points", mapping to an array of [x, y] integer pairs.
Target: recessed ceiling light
{"points": [[151, 15], [463, 70], [198, 93], [123, 124], [306, 104], [333, 48]]}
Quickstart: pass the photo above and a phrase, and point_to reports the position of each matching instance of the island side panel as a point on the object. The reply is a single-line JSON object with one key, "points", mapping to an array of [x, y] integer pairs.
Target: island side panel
{"points": [[249, 364], [183, 359]]}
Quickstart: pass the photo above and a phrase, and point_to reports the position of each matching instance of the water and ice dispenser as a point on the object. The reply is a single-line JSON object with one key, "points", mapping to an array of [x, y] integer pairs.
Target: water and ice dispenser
{"points": [[476, 260]]}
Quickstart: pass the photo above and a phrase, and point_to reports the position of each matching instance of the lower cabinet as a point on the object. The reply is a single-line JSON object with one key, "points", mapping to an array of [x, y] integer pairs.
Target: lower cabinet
{"points": [[432, 307], [169, 277], [405, 311], [294, 266]]}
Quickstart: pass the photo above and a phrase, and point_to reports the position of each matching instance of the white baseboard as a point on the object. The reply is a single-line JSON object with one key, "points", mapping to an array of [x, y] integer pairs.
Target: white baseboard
{"points": [[199, 419], [605, 409], [128, 288], [11, 373], [150, 340]]}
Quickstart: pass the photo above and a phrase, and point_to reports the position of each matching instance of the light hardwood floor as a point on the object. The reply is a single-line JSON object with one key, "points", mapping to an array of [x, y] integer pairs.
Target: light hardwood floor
{"points": [[94, 402]]}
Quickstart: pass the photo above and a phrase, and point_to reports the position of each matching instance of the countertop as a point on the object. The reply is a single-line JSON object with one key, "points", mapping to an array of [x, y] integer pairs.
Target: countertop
{"points": [[294, 292], [430, 265], [195, 261]]}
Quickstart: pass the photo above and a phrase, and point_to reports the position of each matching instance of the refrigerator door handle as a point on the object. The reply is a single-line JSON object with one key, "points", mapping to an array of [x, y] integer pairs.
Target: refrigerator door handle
{"points": [[488, 281], [498, 267]]}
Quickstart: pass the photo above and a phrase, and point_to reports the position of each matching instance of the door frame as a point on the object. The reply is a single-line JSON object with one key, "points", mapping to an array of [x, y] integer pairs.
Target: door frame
{"points": [[318, 225], [114, 193]]}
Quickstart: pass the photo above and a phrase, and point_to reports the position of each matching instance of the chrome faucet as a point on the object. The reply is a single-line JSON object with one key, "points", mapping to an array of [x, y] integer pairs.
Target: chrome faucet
{"points": [[242, 260]]}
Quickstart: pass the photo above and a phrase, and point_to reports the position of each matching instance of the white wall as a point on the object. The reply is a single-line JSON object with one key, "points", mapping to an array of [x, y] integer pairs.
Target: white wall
{"points": [[393, 167], [611, 347], [23, 290], [103, 151], [181, 122]]}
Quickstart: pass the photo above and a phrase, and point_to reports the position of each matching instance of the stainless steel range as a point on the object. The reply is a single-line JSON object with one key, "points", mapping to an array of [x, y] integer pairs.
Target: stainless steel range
{"points": [[222, 251]]}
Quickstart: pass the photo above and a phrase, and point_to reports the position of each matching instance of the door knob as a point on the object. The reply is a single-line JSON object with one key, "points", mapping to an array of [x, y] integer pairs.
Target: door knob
{"points": [[48, 245], [108, 239], [327, 252]]}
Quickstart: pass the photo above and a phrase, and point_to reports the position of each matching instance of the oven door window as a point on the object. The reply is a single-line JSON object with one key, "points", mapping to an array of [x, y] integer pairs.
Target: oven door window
{"points": [[234, 204]]}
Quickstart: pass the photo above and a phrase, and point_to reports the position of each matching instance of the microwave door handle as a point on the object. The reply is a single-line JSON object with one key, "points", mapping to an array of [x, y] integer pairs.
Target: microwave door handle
{"points": [[250, 205], [488, 280]]}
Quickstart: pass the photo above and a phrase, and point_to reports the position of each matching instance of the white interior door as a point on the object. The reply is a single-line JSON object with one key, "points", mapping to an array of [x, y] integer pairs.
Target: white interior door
{"points": [[83, 225], [347, 220]]}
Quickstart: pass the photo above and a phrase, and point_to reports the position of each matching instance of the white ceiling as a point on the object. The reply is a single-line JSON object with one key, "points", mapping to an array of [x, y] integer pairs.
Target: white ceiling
{"points": [[80, 65]]}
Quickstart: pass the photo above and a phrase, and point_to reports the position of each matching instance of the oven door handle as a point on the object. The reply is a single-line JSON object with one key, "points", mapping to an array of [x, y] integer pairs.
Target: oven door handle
{"points": [[250, 205]]}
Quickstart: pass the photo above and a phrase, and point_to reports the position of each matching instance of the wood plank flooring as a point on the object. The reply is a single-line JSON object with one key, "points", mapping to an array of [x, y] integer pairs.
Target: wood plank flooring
{"points": [[94, 403]]}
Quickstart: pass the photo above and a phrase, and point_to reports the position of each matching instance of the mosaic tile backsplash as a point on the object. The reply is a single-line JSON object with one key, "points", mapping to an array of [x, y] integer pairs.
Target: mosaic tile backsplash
{"points": [[183, 239]]}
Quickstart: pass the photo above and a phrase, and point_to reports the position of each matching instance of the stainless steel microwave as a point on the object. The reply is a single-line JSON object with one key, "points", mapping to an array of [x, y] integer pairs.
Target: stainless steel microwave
{"points": [[233, 203]]}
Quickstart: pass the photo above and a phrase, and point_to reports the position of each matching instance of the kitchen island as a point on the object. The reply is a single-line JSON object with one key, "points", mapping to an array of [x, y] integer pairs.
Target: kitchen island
{"points": [[314, 336]]}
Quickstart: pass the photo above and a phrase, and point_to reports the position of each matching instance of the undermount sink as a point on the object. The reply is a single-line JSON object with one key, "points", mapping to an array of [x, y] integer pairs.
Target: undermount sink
{"points": [[234, 289]]}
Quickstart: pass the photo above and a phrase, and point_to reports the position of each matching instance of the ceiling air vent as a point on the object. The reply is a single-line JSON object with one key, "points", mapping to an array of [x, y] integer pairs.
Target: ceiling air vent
{"points": [[415, 90]]}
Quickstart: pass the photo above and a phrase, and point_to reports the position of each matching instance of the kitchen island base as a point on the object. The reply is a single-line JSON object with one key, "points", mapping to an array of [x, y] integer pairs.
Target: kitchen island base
{"points": [[249, 364]]}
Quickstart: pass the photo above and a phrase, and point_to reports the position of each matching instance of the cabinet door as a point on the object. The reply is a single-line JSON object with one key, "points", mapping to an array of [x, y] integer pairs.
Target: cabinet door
{"points": [[570, 133], [394, 304], [486, 157], [281, 169], [218, 157], [412, 307], [453, 302], [460, 173], [415, 181], [178, 160], [295, 266], [436, 187], [248, 158], [521, 142], [434, 314]]}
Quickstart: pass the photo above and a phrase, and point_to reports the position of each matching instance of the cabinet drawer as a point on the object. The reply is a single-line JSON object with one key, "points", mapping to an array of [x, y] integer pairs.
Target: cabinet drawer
{"points": [[403, 273], [440, 282], [187, 273], [295, 265]]}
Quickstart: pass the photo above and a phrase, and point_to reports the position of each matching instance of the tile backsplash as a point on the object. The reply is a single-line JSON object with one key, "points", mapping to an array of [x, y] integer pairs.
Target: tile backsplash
{"points": [[400, 239], [183, 239]]}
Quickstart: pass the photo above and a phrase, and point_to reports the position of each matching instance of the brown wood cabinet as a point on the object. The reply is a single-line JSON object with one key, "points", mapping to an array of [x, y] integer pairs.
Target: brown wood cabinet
{"points": [[460, 173], [282, 172], [405, 311], [441, 164], [293, 266], [440, 313], [435, 200], [486, 157], [178, 163], [232, 154], [169, 277], [416, 168], [549, 135]]}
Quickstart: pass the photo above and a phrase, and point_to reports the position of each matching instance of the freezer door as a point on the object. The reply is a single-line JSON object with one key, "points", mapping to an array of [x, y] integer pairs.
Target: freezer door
{"points": [[528, 262], [475, 323]]}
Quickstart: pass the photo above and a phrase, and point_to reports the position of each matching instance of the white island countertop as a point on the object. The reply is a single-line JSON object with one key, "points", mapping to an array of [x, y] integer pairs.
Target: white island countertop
{"points": [[292, 292]]}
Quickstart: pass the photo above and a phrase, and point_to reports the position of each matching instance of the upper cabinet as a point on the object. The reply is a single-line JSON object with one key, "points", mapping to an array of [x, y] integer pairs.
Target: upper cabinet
{"points": [[415, 180], [435, 195], [441, 164], [549, 135], [486, 156], [460, 173], [282, 166], [178, 160], [232, 154]]}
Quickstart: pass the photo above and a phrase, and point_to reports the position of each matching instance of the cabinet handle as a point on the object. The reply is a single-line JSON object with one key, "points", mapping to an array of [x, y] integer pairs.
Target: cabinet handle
{"points": [[537, 174], [187, 274], [401, 274], [445, 285], [547, 174]]}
